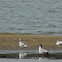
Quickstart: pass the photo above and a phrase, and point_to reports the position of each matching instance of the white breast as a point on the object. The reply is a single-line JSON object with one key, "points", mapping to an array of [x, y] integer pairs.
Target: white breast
{"points": [[41, 50], [20, 44]]}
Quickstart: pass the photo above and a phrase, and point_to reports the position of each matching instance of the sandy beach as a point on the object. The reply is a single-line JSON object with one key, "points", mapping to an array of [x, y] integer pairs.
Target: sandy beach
{"points": [[11, 41]]}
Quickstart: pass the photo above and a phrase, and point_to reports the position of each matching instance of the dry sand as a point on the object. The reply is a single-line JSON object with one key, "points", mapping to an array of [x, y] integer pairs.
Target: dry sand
{"points": [[11, 41]]}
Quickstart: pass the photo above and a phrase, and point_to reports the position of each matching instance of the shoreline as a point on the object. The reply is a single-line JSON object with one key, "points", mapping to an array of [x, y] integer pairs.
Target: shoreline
{"points": [[11, 41]]}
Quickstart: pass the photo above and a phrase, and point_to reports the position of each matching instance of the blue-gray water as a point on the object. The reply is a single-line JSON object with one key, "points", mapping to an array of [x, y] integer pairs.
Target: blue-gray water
{"points": [[29, 60], [42, 17], [22, 56]]}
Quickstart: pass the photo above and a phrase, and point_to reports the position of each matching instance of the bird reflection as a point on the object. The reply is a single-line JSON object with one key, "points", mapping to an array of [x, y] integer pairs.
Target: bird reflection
{"points": [[22, 55]]}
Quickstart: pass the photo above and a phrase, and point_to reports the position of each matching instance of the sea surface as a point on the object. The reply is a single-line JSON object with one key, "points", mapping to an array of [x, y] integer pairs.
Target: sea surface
{"points": [[29, 60], [40, 17], [28, 56]]}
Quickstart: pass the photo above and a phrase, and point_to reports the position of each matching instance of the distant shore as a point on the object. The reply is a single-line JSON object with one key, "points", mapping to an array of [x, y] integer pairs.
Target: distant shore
{"points": [[11, 41]]}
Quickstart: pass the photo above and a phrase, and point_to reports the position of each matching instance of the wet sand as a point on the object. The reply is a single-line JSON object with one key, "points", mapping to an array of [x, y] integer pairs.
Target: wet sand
{"points": [[11, 41]]}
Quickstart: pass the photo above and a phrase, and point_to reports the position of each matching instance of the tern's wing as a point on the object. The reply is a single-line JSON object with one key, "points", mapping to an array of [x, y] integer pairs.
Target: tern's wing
{"points": [[23, 43], [44, 50]]}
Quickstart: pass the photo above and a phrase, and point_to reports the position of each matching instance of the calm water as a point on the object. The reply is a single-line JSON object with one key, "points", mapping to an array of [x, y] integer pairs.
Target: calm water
{"points": [[42, 17], [28, 56], [29, 60]]}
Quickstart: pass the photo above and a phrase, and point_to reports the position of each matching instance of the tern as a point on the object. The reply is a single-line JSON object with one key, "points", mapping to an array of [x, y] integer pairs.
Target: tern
{"points": [[41, 50], [59, 42], [21, 43]]}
